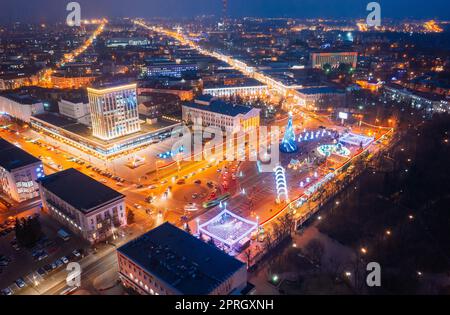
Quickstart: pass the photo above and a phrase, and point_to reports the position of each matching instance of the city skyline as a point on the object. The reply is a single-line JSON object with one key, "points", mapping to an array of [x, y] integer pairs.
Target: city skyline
{"points": [[224, 154], [53, 10]]}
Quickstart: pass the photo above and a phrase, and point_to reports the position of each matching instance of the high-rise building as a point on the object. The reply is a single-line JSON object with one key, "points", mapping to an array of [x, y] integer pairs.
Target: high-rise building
{"points": [[114, 111]]}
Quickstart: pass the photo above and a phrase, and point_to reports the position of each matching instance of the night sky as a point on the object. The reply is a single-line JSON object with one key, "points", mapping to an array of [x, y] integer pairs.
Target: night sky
{"points": [[50, 10]]}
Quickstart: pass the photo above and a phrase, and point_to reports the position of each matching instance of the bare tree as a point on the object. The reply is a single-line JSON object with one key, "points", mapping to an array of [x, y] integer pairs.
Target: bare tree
{"points": [[315, 250]]}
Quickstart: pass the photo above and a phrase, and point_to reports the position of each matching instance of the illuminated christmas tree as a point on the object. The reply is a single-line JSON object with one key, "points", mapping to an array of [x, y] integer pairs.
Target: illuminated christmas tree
{"points": [[288, 144]]}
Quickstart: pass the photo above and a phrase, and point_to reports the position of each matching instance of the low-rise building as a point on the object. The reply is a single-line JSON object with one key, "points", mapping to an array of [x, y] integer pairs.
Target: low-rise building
{"points": [[76, 108], [248, 88], [416, 99], [19, 106], [85, 206], [19, 171], [170, 261], [230, 117], [320, 97], [16, 80], [334, 59]]}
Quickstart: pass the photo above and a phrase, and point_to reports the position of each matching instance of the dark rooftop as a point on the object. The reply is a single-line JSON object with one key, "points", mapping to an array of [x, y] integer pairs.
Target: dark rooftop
{"points": [[21, 98], [221, 107], [79, 190], [188, 264], [12, 157]]}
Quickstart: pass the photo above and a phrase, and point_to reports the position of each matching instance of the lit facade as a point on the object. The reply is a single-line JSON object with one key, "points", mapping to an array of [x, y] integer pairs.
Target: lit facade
{"points": [[318, 60], [86, 207], [320, 98], [114, 111], [20, 107], [230, 117], [227, 91], [19, 172]]}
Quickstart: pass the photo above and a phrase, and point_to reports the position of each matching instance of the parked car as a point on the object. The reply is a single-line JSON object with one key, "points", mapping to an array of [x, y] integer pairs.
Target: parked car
{"points": [[76, 253], [20, 283], [41, 272], [7, 291], [65, 260]]}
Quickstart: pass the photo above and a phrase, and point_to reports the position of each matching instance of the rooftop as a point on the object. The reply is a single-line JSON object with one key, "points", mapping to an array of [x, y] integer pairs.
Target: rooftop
{"points": [[188, 264], [12, 157], [79, 190], [221, 107], [320, 90], [21, 98]]}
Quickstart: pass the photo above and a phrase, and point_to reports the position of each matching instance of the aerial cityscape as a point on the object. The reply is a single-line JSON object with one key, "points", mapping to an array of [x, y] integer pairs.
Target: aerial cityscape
{"points": [[224, 148]]}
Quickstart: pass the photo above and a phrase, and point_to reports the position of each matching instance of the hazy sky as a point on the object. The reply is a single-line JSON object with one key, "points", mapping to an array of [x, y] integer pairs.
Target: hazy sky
{"points": [[47, 10]]}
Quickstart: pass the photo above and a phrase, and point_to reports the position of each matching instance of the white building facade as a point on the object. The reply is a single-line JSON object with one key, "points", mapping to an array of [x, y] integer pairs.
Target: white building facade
{"points": [[20, 107], [78, 110]]}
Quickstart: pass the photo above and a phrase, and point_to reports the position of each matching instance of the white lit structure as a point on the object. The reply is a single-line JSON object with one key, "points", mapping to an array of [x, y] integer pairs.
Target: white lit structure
{"points": [[244, 90], [280, 180], [75, 109], [21, 107], [114, 111], [228, 228]]}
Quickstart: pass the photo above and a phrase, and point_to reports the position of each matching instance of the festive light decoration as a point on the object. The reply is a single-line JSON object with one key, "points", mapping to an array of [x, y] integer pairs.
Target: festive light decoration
{"points": [[329, 149], [288, 144], [280, 179]]}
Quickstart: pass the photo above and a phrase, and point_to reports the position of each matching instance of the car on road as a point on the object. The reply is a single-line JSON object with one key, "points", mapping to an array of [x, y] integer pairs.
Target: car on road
{"points": [[103, 180], [150, 199], [198, 182], [194, 196], [20, 283], [137, 206], [181, 181], [152, 187], [65, 260], [7, 291], [190, 207], [76, 253]]}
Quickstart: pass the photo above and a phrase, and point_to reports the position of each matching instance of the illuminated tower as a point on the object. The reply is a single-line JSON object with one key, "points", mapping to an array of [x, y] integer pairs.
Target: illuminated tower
{"points": [[114, 111], [288, 144]]}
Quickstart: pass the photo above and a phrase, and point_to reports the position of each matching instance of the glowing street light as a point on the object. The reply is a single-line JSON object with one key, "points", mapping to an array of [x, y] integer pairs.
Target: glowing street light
{"points": [[363, 250]]}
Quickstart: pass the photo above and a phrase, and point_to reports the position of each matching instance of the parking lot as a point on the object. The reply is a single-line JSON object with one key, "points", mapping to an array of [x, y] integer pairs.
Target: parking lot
{"points": [[25, 267]]}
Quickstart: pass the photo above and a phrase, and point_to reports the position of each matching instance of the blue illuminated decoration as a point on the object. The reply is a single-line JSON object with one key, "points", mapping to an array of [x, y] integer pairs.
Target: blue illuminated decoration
{"points": [[288, 144], [169, 154]]}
